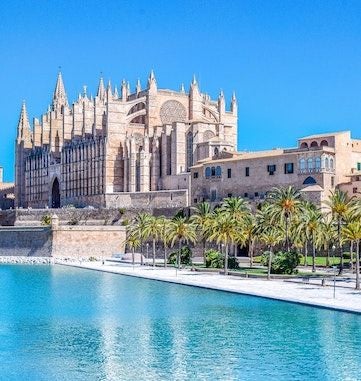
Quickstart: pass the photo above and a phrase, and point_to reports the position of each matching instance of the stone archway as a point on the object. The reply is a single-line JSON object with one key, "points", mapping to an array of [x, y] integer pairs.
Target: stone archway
{"points": [[55, 194]]}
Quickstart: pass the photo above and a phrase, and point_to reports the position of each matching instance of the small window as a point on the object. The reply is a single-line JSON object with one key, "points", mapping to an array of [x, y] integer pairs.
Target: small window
{"points": [[213, 171], [245, 195], [218, 171], [213, 195], [318, 163], [332, 181], [195, 200], [208, 172], [302, 164], [256, 194], [359, 166], [247, 171], [271, 169], [195, 175], [288, 168], [229, 173], [310, 164], [354, 190], [229, 195]]}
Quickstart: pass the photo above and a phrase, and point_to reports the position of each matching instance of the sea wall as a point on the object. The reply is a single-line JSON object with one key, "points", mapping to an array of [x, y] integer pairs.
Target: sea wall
{"points": [[62, 241]]}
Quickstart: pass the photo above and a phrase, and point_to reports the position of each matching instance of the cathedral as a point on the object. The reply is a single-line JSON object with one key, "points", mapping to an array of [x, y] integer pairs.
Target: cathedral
{"points": [[119, 148]]}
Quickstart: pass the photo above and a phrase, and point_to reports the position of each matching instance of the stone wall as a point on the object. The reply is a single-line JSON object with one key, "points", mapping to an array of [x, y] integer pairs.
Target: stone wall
{"points": [[27, 242], [62, 241]]}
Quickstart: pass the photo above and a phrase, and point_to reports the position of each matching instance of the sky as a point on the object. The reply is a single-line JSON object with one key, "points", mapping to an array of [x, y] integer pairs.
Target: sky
{"points": [[295, 65]]}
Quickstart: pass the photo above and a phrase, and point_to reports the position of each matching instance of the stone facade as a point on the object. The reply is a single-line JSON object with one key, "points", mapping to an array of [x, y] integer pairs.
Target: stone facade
{"points": [[6, 193], [319, 164], [62, 241], [100, 150]]}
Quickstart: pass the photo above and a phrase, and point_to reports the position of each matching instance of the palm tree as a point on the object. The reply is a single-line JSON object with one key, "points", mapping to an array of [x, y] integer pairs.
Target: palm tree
{"points": [[283, 205], [181, 230], [138, 228], [153, 230], [352, 232], [250, 232], [224, 231], [133, 242], [327, 235], [340, 205], [202, 218], [164, 235], [237, 209], [271, 237], [309, 224]]}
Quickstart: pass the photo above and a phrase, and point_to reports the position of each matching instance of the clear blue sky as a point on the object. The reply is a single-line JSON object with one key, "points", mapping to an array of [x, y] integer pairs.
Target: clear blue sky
{"points": [[295, 65]]}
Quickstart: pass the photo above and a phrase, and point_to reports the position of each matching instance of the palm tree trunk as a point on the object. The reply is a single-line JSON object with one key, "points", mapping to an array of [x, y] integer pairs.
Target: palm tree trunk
{"points": [[165, 255], [153, 252], [351, 255], [226, 260], [287, 237], [313, 257], [269, 263], [204, 250], [328, 256], [306, 252], [141, 253], [250, 253], [358, 264], [133, 256], [179, 254], [339, 245]]}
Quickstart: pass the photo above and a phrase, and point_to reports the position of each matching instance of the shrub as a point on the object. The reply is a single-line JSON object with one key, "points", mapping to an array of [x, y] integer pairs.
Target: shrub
{"points": [[282, 262], [46, 220], [92, 259], [121, 211], [346, 255], [186, 255], [215, 260]]}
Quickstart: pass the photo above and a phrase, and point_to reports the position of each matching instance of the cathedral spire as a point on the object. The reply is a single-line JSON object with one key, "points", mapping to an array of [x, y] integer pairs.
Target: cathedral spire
{"points": [[234, 107], [109, 89], [24, 130], [138, 87], [182, 88], [59, 96], [116, 95], [152, 83], [194, 80], [101, 89], [124, 91]]}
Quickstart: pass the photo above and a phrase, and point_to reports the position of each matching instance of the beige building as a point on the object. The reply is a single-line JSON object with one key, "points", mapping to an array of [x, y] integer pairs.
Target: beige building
{"points": [[318, 165], [6, 192], [119, 149]]}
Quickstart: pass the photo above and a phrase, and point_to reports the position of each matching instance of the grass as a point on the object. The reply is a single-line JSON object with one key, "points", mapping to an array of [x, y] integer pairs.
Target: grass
{"points": [[320, 261]]}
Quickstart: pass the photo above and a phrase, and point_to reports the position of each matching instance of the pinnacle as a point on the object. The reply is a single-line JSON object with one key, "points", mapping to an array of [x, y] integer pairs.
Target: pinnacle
{"points": [[59, 97]]}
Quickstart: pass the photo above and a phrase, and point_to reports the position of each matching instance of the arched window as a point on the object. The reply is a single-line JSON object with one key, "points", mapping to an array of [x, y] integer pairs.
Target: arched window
{"points": [[304, 145], [216, 151], [327, 165], [189, 150], [309, 181], [331, 163], [318, 163], [302, 164], [213, 171], [310, 164], [208, 172], [218, 171], [324, 143], [314, 144]]}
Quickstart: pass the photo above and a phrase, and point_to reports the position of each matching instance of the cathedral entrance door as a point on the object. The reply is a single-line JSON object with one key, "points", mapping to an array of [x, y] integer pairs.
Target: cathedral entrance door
{"points": [[55, 194]]}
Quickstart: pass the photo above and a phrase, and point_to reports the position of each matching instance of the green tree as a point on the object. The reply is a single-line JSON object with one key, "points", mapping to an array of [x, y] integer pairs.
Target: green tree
{"points": [[137, 227], [133, 242], [153, 230], [283, 205], [181, 230], [202, 219], [271, 237], [352, 232], [340, 205]]}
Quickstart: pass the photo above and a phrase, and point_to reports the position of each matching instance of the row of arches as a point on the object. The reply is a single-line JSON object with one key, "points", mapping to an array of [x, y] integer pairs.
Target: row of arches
{"points": [[314, 144], [316, 164]]}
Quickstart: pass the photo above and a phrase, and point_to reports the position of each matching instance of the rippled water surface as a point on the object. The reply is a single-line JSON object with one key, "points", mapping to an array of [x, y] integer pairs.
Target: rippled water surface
{"points": [[59, 323]]}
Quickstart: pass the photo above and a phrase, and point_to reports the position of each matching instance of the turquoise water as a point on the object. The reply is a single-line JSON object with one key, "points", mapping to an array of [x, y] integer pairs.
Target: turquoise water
{"points": [[59, 323]]}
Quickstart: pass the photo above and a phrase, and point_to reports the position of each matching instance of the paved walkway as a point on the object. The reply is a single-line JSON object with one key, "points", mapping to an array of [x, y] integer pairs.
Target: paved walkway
{"points": [[346, 299]]}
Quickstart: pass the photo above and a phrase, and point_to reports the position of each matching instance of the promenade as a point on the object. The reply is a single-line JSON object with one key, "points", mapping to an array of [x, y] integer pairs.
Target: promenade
{"points": [[346, 298]]}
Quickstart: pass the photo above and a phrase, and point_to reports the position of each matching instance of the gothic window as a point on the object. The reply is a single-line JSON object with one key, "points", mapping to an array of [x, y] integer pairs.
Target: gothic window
{"points": [[216, 151], [218, 171], [189, 150], [327, 164], [310, 164], [318, 163], [302, 164], [213, 171], [172, 111], [331, 163], [208, 135]]}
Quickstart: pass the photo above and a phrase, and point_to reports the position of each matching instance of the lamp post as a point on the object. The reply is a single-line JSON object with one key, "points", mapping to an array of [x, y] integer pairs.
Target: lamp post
{"points": [[334, 271]]}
